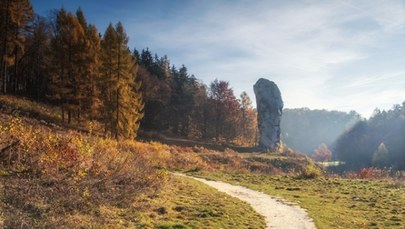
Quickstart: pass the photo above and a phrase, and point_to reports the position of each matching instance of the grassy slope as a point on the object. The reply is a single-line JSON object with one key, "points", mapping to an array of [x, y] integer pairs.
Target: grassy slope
{"points": [[46, 202], [182, 203], [334, 203]]}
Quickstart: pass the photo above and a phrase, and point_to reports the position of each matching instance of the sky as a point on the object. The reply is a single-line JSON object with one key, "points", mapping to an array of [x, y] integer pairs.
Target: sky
{"points": [[336, 54]]}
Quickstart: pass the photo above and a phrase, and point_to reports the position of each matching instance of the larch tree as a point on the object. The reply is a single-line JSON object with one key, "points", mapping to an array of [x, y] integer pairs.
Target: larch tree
{"points": [[34, 69], [16, 16], [123, 106], [67, 63], [93, 70], [89, 69]]}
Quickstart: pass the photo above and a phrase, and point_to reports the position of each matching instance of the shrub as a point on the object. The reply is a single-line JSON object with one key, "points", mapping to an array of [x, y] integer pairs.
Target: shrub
{"points": [[72, 172], [311, 171]]}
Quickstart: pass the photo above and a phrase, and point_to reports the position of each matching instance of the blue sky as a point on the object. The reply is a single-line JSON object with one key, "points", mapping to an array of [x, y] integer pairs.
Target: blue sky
{"points": [[336, 54]]}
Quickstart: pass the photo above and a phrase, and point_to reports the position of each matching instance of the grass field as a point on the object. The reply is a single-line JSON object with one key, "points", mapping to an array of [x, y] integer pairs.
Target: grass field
{"points": [[182, 203], [186, 203], [333, 202], [43, 185]]}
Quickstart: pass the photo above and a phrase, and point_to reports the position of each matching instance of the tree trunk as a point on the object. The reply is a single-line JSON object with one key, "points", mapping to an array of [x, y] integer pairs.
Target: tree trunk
{"points": [[118, 91], [63, 113], [14, 85], [4, 51]]}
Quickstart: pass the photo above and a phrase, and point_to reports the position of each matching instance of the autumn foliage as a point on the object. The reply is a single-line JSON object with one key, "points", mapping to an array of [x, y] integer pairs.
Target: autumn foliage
{"points": [[63, 60], [322, 153]]}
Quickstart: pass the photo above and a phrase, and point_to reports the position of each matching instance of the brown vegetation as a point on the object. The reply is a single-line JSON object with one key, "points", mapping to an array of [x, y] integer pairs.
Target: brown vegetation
{"points": [[52, 174]]}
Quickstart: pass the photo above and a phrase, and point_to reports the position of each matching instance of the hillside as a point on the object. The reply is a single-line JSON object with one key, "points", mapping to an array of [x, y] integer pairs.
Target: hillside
{"points": [[57, 176], [66, 178], [305, 129], [378, 141]]}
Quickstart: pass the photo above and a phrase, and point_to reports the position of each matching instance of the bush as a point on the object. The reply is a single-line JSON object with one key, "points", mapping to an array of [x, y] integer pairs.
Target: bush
{"points": [[51, 174], [311, 171]]}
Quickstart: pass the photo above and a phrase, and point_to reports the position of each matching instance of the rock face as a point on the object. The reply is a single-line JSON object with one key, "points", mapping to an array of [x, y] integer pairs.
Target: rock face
{"points": [[269, 110]]}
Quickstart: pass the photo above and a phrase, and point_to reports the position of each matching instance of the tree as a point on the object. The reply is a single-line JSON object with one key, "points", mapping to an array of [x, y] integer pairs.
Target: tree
{"points": [[89, 66], [156, 84], [34, 66], [16, 16], [181, 100], [361, 146], [122, 101], [67, 63], [93, 102], [248, 121], [226, 110], [381, 156], [322, 153]]}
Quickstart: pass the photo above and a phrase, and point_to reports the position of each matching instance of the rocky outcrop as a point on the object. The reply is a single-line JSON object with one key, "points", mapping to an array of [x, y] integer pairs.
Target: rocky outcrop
{"points": [[269, 110]]}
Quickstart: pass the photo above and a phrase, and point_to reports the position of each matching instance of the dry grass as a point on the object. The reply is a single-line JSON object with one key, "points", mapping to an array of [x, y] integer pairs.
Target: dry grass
{"points": [[53, 176]]}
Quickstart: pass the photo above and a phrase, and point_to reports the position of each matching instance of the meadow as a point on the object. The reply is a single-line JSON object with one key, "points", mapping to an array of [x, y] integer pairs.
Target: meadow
{"points": [[57, 177], [332, 202]]}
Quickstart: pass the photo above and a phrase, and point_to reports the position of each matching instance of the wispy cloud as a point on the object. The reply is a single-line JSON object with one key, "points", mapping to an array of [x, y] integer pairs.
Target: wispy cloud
{"points": [[314, 50]]}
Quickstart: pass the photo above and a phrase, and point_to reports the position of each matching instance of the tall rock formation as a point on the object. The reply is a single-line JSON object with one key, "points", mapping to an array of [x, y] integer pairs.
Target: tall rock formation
{"points": [[269, 111]]}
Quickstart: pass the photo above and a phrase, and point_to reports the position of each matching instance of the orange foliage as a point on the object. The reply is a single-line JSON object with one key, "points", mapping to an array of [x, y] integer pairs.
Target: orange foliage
{"points": [[100, 168], [322, 153]]}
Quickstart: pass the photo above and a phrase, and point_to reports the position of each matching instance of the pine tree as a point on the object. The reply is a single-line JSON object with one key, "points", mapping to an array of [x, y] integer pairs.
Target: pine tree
{"points": [[182, 100]]}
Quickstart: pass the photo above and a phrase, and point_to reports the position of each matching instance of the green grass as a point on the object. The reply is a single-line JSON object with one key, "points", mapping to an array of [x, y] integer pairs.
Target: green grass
{"points": [[333, 202], [186, 203], [182, 203]]}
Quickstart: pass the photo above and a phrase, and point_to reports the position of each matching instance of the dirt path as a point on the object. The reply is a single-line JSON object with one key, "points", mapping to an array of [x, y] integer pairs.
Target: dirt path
{"points": [[278, 213]]}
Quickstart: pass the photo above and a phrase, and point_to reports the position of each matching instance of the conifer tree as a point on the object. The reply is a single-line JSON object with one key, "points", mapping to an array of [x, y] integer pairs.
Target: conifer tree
{"points": [[16, 16], [88, 91], [34, 64], [67, 65], [123, 106], [93, 70]]}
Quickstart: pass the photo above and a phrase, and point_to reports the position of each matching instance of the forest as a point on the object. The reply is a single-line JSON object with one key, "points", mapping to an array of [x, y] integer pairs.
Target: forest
{"points": [[63, 60], [376, 142]]}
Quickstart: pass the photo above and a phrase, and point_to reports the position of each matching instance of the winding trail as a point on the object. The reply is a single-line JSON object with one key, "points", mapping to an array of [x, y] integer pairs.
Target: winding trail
{"points": [[278, 213]]}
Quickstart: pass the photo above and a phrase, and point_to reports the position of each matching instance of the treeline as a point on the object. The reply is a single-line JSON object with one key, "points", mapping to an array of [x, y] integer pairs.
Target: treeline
{"points": [[305, 130], [377, 142], [65, 61]]}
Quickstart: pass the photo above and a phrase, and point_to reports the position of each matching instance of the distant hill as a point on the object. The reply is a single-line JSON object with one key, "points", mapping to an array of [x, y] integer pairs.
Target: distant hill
{"points": [[378, 141], [304, 129]]}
